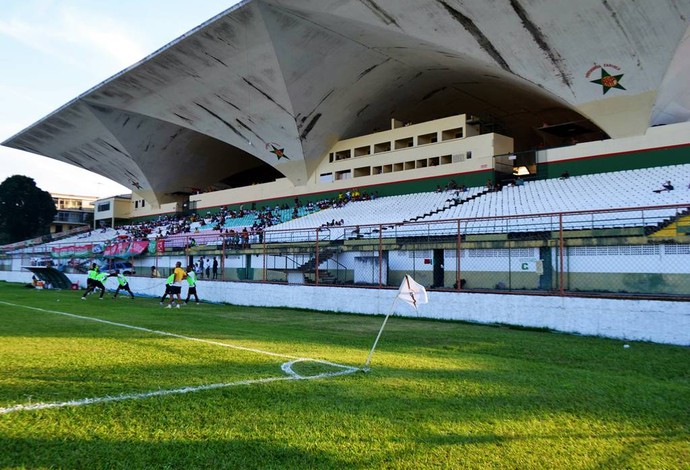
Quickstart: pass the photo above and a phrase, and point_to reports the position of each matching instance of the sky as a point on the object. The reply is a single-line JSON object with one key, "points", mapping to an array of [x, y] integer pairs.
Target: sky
{"points": [[51, 51]]}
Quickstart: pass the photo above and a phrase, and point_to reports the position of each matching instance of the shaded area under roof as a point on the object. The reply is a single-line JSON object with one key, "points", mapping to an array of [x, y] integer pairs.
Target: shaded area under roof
{"points": [[298, 75]]}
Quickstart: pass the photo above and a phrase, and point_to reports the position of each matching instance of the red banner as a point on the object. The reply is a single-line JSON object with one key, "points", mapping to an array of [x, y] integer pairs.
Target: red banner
{"points": [[125, 249], [72, 251]]}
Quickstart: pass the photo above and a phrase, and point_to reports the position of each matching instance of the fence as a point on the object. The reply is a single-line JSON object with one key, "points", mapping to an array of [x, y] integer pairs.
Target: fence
{"points": [[642, 252]]}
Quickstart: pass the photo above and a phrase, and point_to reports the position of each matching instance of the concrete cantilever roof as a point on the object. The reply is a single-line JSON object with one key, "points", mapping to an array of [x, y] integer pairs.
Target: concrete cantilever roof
{"points": [[278, 82]]}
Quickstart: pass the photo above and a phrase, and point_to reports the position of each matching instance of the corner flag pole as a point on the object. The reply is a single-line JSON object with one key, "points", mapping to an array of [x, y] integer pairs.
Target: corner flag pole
{"points": [[371, 353], [412, 293]]}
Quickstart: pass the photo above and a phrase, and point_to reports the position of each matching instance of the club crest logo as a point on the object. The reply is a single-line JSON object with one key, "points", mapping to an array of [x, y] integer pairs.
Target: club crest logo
{"points": [[277, 151], [606, 80]]}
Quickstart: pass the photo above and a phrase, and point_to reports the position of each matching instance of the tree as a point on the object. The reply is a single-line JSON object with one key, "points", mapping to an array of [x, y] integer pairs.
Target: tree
{"points": [[26, 211]]}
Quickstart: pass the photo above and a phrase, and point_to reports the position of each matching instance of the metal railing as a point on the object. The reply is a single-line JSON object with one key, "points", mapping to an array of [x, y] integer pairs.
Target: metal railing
{"points": [[641, 252]]}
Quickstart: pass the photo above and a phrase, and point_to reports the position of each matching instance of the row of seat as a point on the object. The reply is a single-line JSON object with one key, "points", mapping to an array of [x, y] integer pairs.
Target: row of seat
{"points": [[484, 211], [512, 209]]}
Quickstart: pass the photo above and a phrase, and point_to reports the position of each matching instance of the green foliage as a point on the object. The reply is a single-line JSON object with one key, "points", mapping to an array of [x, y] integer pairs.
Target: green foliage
{"points": [[26, 211], [440, 394]]}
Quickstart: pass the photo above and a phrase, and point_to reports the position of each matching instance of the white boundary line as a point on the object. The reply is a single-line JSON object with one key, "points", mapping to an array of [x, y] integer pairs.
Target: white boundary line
{"points": [[285, 367]]}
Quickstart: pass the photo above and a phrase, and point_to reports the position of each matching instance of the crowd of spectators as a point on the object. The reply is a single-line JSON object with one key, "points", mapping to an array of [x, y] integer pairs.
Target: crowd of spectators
{"points": [[451, 186], [221, 222], [159, 227]]}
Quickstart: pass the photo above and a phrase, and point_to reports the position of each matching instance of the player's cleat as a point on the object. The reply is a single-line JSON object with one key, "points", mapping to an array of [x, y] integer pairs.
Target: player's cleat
{"points": [[83, 298], [177, 306], [169, 306]]}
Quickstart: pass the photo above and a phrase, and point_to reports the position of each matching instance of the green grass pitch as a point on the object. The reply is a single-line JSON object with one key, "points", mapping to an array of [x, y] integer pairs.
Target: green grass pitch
{"points": [[128, 384]]}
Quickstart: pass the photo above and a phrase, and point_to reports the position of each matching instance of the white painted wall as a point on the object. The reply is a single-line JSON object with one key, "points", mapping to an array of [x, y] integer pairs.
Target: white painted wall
{"points": [[655, 137], [638, 320]]}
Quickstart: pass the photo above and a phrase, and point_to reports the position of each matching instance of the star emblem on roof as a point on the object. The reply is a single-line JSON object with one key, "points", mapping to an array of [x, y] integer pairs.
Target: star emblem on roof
{"points": [[608, 81], [279, 152]]}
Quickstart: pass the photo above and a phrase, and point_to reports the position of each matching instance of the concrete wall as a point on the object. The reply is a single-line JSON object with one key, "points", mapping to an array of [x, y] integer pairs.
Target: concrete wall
{"points": [[482, 147], [656, 137], [639, 320]]}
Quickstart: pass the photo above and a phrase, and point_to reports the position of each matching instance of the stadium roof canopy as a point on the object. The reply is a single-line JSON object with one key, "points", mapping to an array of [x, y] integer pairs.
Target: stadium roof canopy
{"points": [[267, 87]]}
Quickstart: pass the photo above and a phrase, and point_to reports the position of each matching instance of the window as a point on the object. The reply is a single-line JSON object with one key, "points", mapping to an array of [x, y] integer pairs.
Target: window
{"points": [[363, 171], [343, 154], [362, 151], [404, 143], [343, 175], [450, 134], [427, 139], [104, 206], [382, 147]]}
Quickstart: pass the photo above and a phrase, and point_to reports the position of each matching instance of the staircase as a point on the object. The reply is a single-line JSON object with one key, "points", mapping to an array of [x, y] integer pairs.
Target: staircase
{"points": [[449, 203], [679, 225], [309, 268], [325, 277]]}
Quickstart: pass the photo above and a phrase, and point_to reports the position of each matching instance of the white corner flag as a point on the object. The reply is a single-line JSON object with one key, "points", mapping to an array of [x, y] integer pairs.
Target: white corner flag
{"points": [[412, 292]]}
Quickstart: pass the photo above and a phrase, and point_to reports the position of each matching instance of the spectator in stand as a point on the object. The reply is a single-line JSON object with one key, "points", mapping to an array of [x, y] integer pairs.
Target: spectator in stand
{"points": [[667, 186], [245, 237]]}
